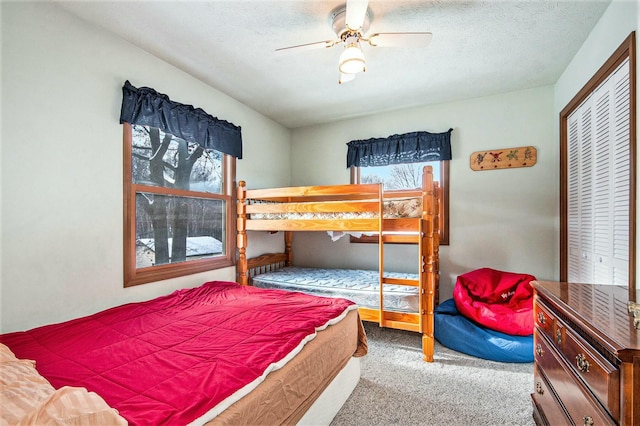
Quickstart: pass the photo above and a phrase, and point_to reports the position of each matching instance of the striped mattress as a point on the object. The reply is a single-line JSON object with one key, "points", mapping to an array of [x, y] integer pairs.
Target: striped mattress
{"points": [[358, 285]]}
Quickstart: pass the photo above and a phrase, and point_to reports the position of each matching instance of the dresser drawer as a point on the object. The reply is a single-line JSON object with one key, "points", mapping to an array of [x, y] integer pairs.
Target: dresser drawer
{"points": [[578, 402], [548, 407], [602, 377], [545, 319]]}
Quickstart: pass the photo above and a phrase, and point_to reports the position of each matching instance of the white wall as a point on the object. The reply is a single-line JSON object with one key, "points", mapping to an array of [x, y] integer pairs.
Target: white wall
{"points": [[504, 219], [615, 25], [61, 220], [619, 20]]}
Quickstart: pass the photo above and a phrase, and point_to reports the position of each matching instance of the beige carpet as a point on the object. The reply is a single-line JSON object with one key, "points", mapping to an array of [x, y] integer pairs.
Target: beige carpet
{"points": [[398, 388]]}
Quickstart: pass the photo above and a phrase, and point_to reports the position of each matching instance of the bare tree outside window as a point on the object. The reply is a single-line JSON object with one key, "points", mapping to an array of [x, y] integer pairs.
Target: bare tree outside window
{"points": [[169, 228], [408, 176], [398, 176]]}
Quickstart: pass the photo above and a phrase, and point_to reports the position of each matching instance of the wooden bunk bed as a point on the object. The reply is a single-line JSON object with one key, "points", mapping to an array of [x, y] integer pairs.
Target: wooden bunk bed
{"points": [[350, 208]]}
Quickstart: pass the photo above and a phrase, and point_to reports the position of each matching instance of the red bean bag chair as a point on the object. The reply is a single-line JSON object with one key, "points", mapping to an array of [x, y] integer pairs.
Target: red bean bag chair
{"points": [[501, 301]]}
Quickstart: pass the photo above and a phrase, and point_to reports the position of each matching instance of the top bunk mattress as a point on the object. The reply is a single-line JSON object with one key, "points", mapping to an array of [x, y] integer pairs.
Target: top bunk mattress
{"points": [[396, 208], [358, 285]]}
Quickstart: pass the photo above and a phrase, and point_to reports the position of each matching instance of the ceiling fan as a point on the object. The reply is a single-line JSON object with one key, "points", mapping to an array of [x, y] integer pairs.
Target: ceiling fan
{"points": [[350, 22]]}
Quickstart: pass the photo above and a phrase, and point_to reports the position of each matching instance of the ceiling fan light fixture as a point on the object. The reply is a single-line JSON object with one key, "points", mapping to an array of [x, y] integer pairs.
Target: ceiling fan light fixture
{"points": [[344, 78], [350, 22], [351, 60]]}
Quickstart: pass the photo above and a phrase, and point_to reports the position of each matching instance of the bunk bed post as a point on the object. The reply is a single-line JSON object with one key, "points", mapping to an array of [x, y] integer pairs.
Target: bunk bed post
{"points": [[435, 254], [381, 255], [428, 239], [241, 238], [433, 265]]}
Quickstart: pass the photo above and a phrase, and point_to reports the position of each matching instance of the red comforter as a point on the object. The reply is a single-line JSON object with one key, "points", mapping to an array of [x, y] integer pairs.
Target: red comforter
{"points": [[171, 359]]}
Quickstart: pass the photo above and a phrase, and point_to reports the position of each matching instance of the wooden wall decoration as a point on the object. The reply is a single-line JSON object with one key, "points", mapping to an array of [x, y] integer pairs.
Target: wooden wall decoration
{"points": [[504, 158]]}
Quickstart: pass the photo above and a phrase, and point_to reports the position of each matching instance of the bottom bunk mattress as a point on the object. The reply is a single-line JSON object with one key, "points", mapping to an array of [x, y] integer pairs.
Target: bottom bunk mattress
{"points": [[358, 285], [219, 352]]}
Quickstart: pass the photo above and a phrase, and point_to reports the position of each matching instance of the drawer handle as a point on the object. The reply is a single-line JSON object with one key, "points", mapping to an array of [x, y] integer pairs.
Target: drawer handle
{"points": [[587, 420], [539, 388], [539, 350], [541, 318], [582, 363], [559, 337]]}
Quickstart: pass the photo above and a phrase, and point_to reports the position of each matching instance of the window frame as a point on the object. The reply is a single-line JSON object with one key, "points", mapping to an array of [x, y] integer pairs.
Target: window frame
{"points": [[133, 275], [444, 205]]}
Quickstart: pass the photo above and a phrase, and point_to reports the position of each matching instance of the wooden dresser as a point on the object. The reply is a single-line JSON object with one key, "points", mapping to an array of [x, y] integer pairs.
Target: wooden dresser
{"points": [[587, 356]]}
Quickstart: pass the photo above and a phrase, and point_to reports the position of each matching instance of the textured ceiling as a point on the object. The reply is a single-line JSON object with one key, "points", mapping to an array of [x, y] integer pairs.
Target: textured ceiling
{"points": [[479, 48]]}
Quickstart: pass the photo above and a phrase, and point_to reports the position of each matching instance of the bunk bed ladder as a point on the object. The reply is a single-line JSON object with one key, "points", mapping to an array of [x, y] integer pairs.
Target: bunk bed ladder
{"points": [[409, 321], [393, 319], [427, 238]]}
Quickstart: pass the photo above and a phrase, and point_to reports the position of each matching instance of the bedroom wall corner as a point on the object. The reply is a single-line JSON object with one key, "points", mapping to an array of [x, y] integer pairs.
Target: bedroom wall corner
{"points": [[617, 22], [505, 219]]}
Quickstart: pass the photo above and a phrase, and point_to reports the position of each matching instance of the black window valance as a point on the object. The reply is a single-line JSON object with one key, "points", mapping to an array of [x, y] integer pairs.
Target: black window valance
{"points": [[414, 147], [146, 107]]}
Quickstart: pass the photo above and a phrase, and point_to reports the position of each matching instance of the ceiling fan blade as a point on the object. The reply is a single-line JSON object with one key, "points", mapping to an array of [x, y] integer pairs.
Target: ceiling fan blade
{"points": [[308, 46], [400, 39], [355, 14]]}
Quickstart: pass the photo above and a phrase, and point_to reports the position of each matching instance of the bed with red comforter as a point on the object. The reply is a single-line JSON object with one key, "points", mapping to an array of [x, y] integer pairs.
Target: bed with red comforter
{"points": [[198, 354]]}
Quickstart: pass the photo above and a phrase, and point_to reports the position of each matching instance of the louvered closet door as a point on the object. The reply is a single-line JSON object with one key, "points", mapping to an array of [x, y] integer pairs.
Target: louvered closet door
{"points": [[621, 170], [579, 193], [598, 184]]}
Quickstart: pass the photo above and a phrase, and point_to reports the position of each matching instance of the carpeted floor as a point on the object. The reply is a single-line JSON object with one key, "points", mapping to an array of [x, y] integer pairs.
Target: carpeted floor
{"points": [[398, 388]]}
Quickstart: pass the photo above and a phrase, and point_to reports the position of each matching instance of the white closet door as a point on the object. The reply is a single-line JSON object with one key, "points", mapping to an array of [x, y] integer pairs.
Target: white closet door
{"points": [[580, 193], [573, 194], [602, 185], [621, 173], [585, 200], [598, 184]]}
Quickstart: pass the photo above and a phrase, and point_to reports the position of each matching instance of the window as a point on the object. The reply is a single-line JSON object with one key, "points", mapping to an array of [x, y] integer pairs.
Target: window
{"points": [[408, 176], [397, 161], [178, 190]]}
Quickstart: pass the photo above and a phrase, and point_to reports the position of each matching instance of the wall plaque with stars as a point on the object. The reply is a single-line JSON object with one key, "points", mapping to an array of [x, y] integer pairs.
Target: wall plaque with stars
{"points": [[503, 158]]}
